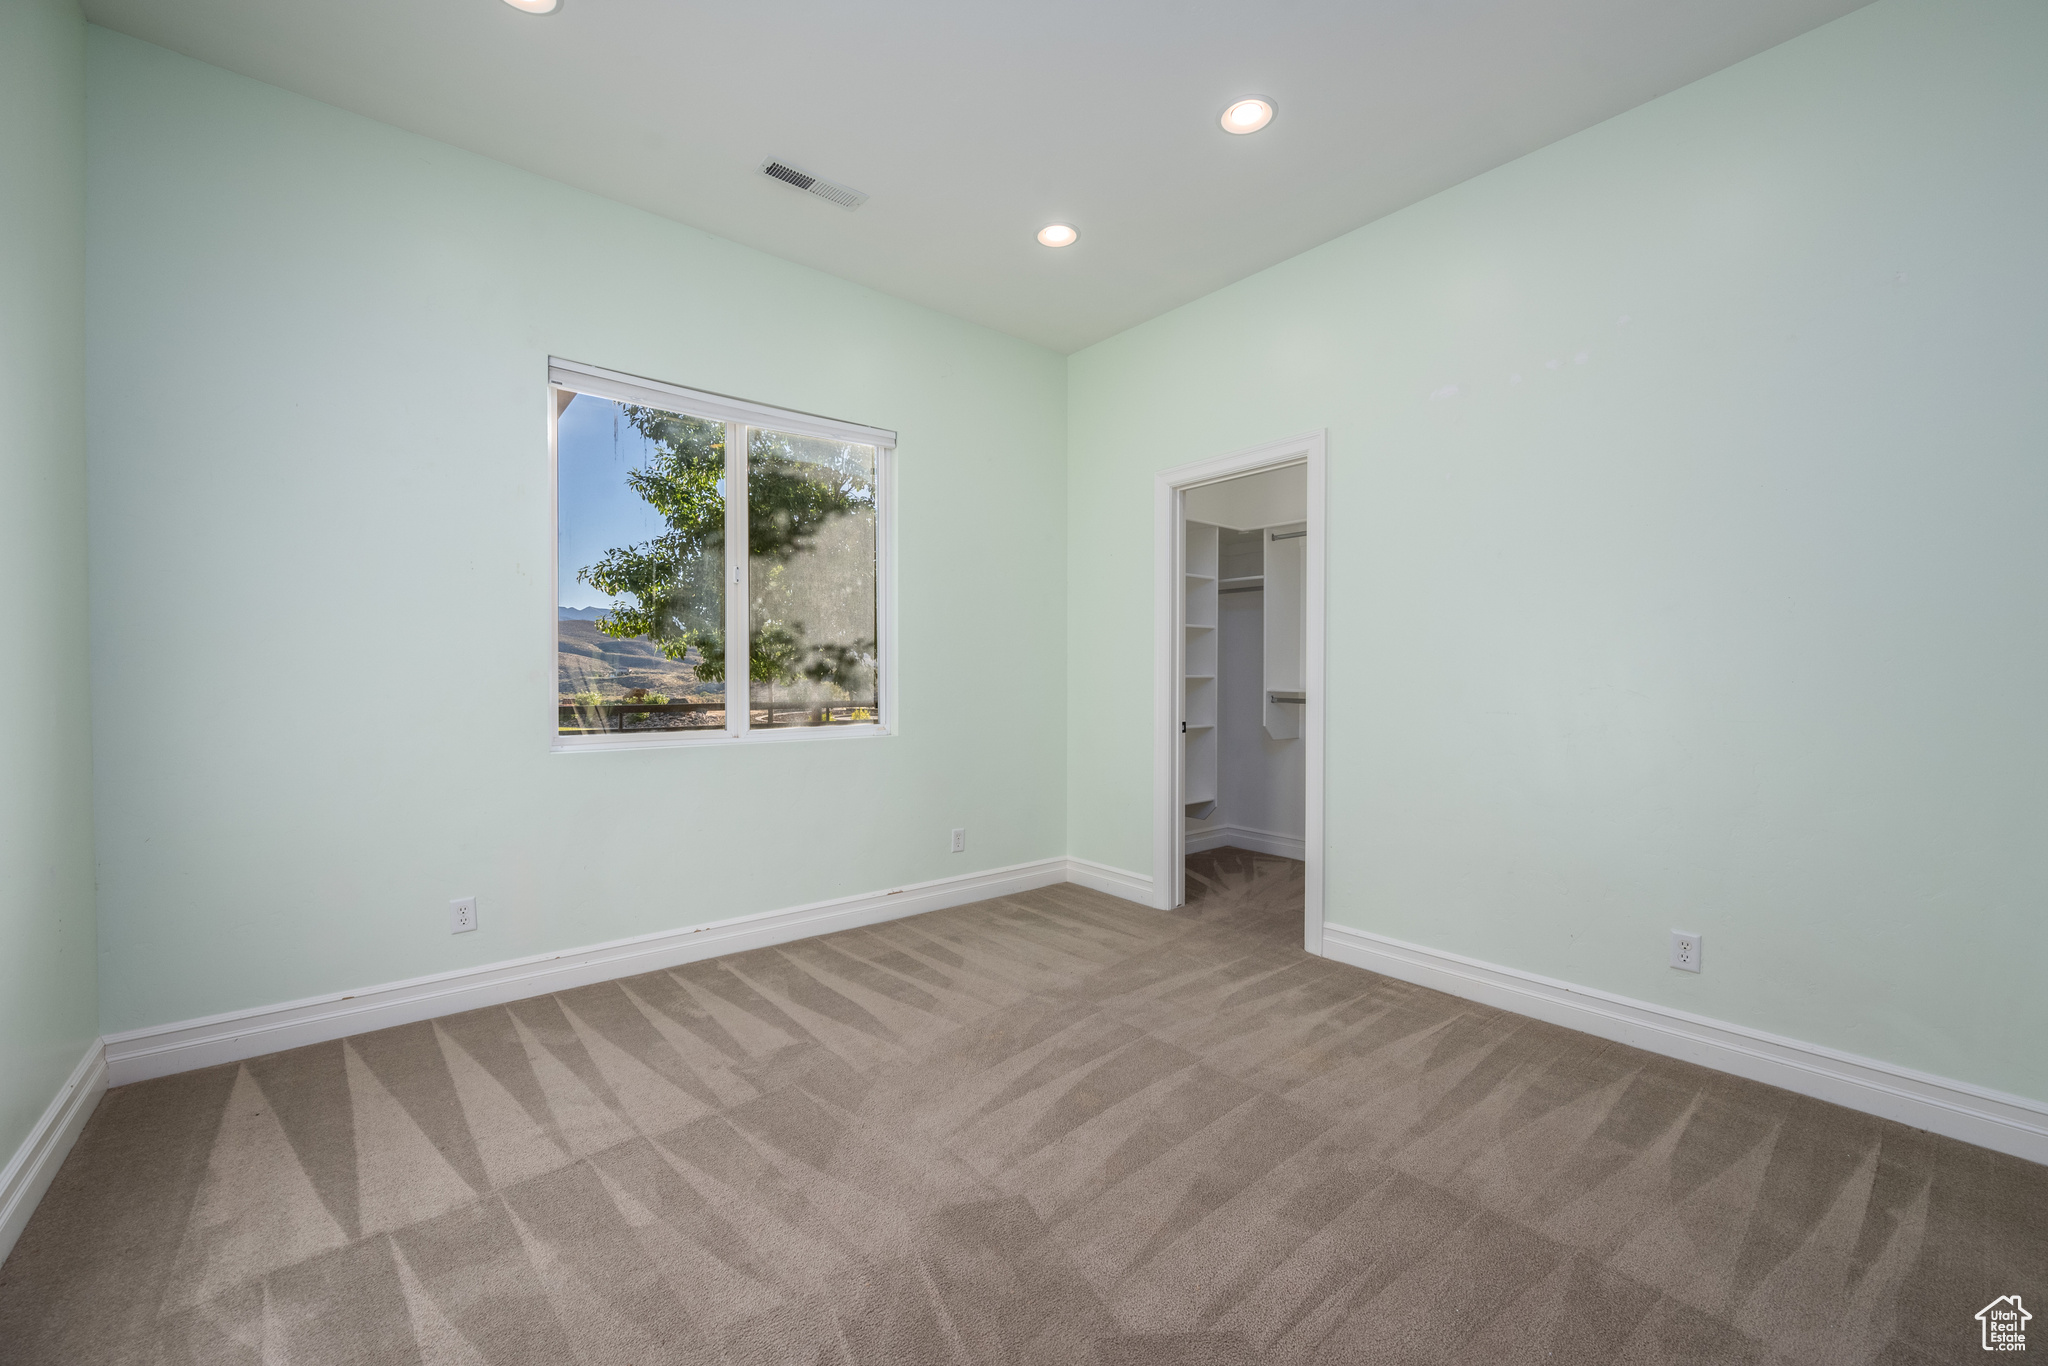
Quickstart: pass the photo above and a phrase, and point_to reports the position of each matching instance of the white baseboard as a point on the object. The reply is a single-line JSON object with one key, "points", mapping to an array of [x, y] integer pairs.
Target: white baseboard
{"points": [[1244, 837], [163, 1049], [2007, 1123], [1991, 1119], [34, 1165], [1102, 877]]}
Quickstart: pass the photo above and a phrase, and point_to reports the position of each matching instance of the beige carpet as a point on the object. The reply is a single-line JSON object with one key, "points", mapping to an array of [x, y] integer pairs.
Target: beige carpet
{"points": [[1053, 1128]]}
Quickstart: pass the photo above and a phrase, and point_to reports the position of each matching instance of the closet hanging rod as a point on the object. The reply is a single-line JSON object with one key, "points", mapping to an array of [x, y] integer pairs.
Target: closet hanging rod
{"points": [[1286, 697], [1288, 535], [1248, 588]]}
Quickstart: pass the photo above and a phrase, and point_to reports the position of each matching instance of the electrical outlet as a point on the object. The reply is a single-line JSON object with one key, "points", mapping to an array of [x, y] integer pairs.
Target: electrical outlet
{"points": [[959, 841], [462, 915], [1685, 951]]}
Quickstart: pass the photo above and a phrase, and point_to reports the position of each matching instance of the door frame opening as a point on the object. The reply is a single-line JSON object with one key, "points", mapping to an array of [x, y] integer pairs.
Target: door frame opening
{"points": [[1169, 612]]}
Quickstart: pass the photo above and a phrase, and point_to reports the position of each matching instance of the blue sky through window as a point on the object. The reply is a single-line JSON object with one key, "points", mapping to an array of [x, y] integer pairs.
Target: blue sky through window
{"points": [[595, 447]]}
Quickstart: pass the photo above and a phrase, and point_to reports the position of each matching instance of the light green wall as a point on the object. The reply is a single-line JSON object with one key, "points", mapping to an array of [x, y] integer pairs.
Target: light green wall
{"points": [[48, 1006], [321, 537], [1738, 626]]}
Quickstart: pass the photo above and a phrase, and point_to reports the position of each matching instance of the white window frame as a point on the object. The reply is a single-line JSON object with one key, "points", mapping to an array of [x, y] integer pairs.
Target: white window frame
{"points": [[739, 415]]}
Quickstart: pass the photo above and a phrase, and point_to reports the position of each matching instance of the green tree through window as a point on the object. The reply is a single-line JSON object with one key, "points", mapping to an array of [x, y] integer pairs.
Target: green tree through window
{"points": [[810, 515]]}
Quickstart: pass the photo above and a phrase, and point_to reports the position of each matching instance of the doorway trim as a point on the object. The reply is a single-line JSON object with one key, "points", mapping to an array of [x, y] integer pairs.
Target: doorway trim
{"points": [[1169, 604]]}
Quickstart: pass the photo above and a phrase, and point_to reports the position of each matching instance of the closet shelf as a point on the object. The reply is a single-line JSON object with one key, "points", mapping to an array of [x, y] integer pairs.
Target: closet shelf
{"points": [[1200, 641]]}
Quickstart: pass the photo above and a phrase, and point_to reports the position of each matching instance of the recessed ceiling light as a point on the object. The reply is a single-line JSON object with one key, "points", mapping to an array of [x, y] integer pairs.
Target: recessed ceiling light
{"points": [[1057, 235], [534, 6], [1248, 115]]}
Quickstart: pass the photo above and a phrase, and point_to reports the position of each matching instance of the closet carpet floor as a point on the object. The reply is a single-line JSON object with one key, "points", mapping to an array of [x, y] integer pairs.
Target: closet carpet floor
{"points": [[1049, 1128]]}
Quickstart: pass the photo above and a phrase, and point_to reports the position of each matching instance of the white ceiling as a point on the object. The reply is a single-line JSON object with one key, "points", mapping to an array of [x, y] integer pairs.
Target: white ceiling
{"points": [[1268, 498], [974, 125]]}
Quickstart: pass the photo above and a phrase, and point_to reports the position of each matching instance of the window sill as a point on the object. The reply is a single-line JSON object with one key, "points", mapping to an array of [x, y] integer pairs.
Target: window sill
{"points": [[778, 735]]}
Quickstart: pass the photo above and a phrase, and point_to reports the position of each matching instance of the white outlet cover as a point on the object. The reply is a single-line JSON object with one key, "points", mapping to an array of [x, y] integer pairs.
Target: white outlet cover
{"points": [[1685, 950], [959, 841], [462, 915]]}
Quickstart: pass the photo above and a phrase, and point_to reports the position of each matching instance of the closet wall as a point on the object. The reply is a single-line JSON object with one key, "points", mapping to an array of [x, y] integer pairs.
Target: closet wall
{"points": [[1261, 781]]}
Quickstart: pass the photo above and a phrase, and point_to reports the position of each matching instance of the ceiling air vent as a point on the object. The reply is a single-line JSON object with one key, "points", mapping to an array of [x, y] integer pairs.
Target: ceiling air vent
{"points": [[803, 180]]}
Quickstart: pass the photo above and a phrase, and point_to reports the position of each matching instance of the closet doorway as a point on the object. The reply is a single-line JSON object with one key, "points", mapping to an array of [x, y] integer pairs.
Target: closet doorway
{"points": [[1238, 618]]}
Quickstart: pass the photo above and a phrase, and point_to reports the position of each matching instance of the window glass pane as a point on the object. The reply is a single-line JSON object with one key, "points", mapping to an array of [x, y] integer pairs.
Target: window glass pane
{"points": [[640, 553], [811, 580]]}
